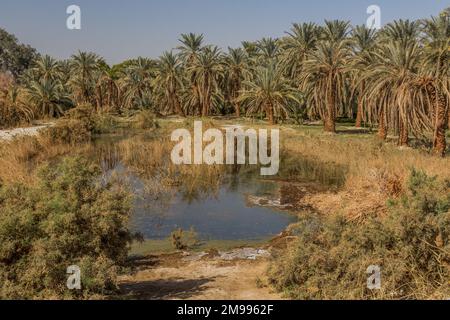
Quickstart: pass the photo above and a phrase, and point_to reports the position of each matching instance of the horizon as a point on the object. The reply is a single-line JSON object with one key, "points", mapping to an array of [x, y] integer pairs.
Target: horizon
{"points": [[147, 29]]}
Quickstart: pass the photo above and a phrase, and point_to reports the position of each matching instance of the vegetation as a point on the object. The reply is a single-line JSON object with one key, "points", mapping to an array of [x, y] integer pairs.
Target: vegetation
{"points": [[410, 244], [396, 78], [183, 240], [67, 218], [56, 209]]}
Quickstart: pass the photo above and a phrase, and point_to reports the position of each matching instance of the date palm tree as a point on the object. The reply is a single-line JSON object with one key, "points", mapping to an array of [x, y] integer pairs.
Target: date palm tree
{"points": [[392, 80], [192, 45], [269, 92], [206, 70], [47, 68], [268, 50], [436, 71], [108, 80], [237, 70], [299, 43], [393, 74], [169, 81], [84, 67], [13, 106], [363, 43], [137, 83], [46, 96], [324, 76]]}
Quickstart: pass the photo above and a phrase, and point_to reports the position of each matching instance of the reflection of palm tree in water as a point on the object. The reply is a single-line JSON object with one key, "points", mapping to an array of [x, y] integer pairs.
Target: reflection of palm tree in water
{"points": [[109, 156]]}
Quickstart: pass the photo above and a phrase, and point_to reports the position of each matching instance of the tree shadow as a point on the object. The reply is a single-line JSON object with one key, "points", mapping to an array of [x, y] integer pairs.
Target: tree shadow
{"points": [[164, 289], [354, 131]]}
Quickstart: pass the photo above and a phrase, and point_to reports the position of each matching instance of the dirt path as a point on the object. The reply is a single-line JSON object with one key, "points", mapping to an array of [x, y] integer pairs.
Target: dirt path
{"points": [[10, 134], [208, 278]]}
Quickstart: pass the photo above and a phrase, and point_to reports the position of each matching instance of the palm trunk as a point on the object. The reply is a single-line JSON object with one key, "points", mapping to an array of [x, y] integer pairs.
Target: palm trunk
{"points": [[359, 111], [98, 99], [330, 118], [441, 119], [448, 117], [269, 112], [237, 108], [403, 133], [382, 127], [178, 108], [110, 93]]}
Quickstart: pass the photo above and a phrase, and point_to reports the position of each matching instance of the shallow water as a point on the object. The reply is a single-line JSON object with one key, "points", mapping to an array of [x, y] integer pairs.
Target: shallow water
{"points": [[224, 213]]}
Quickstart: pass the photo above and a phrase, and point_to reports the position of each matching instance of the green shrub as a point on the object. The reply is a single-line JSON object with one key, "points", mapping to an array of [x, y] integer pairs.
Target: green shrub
{"points": [[68, 218], [411, 245], [104, 123], [69, 131], [145, 119], [182, 240], [76, 127]]}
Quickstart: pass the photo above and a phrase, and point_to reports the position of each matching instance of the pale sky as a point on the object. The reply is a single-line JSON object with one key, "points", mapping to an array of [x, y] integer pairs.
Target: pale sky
{"points": [[119, 30]]}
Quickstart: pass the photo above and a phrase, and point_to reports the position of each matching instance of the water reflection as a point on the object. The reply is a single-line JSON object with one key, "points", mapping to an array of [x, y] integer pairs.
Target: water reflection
{"points": [[212, 200]]}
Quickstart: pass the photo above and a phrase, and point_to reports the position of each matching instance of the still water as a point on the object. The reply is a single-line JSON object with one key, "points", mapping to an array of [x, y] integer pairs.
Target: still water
{"points": [[226, 212]]}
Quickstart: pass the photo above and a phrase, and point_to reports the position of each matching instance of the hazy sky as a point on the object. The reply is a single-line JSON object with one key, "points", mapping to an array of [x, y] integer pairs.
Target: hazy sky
{"points": [[118, 29]]}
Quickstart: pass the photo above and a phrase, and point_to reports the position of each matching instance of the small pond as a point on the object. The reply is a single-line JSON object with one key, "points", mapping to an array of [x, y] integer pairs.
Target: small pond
{"points": [[244, 206]]}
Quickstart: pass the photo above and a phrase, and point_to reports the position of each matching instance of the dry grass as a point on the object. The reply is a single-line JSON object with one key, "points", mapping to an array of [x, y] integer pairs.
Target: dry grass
{"points": [[376, 171], [20, 157]]}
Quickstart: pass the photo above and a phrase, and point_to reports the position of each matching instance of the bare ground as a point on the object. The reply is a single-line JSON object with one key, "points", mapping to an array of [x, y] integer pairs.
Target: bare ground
{"points": [[208, 278]]}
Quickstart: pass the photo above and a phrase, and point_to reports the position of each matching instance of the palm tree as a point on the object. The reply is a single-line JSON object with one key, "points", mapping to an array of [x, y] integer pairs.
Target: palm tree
{"points": [[268, 50], [207, 69], [189, 53], [363, 41], [170, 80], [237, 70], [436, 71], [400, 51], [13, 106], [83, 67], [46, 97], [269, 92], [299, 43], [403, 31], [325, 71], [392, 87], [137, 83], [109, 77], [47, 68]]}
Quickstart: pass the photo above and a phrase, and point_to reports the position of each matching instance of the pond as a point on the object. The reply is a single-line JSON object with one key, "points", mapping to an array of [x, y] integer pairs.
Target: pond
{"points": [[243, 206], [230, 213]]}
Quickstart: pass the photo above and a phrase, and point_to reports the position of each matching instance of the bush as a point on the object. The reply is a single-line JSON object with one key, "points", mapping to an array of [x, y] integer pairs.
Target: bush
{"points": [[411, 245], [182, 240], [145, 119], [68, 131], [104, 123], [68, 218], [77, 127]]}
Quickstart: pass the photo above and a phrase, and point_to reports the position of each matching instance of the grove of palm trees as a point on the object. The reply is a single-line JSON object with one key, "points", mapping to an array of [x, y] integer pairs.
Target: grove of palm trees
{"points": [[394, 79], [364, 116]]}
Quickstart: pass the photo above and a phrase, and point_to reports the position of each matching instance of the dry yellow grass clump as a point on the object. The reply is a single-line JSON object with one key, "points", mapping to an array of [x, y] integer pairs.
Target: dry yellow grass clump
{"points": [[19, 157], [375, 172]]}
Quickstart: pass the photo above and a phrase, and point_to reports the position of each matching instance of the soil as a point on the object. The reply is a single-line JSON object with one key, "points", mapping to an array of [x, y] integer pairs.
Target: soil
{"points": [[203, 276]]}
